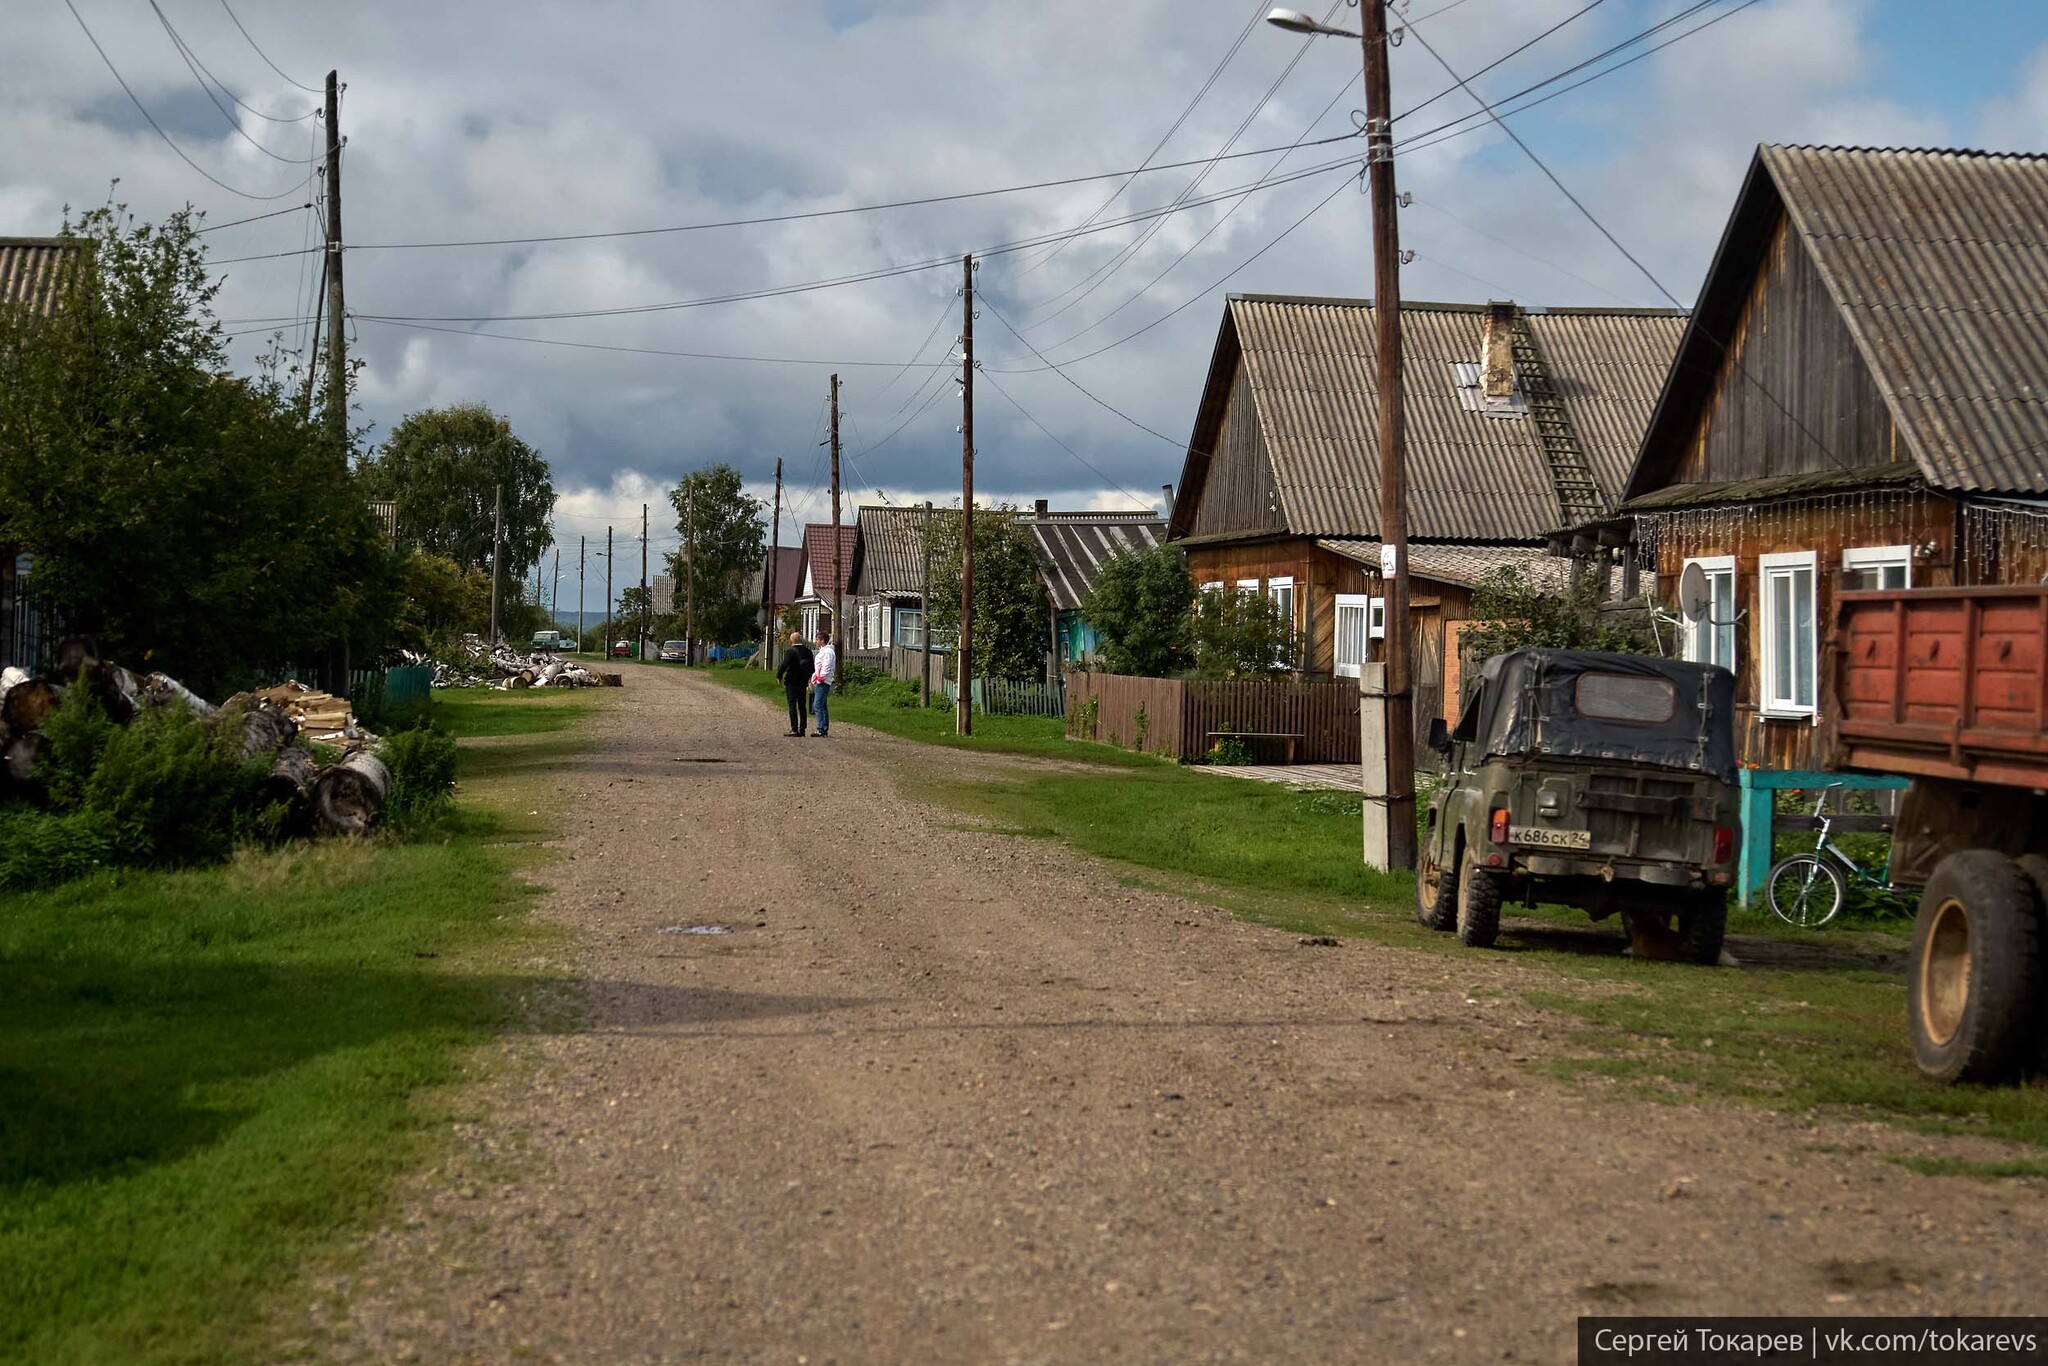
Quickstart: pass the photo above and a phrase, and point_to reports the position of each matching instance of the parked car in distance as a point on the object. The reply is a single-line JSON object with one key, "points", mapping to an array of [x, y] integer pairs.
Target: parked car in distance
{"points": [[551, 641], [1601, 781], [622, 649], [675, 652]]}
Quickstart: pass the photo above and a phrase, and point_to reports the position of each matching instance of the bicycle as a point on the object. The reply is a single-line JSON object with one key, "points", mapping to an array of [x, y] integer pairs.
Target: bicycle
{"points": [[1807, 890]]}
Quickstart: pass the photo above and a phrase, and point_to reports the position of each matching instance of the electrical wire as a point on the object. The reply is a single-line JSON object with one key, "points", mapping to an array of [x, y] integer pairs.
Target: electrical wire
{"points": [[150, 119], [810, 214], [945, 311], [1504, 58], [1522, 252], [266, 59], [1104, 477], [645, 350], [238, 222], [1085, 392], [1167, 136], [192, 61], [207, 90]]}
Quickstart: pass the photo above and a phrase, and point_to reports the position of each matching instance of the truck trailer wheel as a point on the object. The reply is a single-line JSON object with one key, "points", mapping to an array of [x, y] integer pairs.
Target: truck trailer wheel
{"points": [[1702, 923], [1436, 891], [1479, 898], [1972, 978]]}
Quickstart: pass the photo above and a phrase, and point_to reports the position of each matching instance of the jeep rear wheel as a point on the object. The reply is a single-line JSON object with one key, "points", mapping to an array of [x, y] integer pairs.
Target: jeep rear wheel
{"points": [[1479, 898], [1436, 892], [1702, 923], [1973, 978]]}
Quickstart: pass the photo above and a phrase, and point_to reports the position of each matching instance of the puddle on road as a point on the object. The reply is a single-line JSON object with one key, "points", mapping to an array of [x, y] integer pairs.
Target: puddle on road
{"points": [[694, 929], [699, 759]]}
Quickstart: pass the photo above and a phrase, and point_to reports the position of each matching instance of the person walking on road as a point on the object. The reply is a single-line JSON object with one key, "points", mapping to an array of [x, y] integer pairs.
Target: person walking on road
{"points": [[824, 673], [795, 671]]}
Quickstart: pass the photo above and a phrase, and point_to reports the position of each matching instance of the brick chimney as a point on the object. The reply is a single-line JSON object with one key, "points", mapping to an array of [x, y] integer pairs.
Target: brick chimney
{"points": [[1497, 351], [1040, 507]]}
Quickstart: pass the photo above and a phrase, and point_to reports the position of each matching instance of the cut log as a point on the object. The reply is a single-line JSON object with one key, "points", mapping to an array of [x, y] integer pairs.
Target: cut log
{"points": [[119, 693], [348, 797], [25, 756], [160, 690], [10, 676], [75, 653], [28, 705], [265, 730], [291, 774]]}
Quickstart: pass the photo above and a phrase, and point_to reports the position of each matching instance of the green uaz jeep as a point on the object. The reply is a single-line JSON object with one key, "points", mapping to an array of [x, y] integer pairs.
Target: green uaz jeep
{"points": [[1601, 781]]}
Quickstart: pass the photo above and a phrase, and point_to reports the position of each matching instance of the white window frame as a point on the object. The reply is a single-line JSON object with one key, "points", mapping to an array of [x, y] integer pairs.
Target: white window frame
{"points": [[1213, 586], [1248, 586], [1696, 632], [1879, 557], [1350, 602], [910, 627], [1281, 591], [1769, 570]]}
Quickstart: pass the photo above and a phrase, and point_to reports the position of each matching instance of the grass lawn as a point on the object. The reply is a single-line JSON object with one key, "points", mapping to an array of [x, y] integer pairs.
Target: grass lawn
{"points": [[209, 1079]]}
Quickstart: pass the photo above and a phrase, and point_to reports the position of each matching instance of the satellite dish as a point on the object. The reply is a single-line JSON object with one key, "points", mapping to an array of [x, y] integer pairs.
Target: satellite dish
{"points": [[1694, 598]]}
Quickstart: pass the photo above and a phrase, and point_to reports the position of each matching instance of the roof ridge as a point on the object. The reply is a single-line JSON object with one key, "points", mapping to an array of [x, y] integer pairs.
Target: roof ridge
{"points": [[1986, 153]]}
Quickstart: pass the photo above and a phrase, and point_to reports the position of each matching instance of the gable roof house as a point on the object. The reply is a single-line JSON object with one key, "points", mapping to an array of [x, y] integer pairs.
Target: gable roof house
{"points": [[1860, 401], [1519, 421], [1071, 548], [814, 600], [886, 583], [31, 277]]}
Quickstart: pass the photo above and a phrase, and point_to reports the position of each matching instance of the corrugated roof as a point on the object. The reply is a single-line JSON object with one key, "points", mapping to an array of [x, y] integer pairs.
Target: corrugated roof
{"points": [[32, 270], [787, 578], [1072, 547], [891, 550], [818, 556], [1471, 477], [1939, 263], [1463, 564]]}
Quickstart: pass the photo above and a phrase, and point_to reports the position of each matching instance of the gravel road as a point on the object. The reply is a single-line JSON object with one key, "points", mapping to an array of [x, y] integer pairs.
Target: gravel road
{"points": [[943, 1095]]}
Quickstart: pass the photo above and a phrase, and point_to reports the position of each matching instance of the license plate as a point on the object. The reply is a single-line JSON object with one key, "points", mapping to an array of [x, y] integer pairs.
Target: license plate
{"points": [[1542, 837]]}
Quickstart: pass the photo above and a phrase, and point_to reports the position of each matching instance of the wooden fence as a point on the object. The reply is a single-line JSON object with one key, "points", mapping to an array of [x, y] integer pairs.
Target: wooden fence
{"points": [[1176, 717]]}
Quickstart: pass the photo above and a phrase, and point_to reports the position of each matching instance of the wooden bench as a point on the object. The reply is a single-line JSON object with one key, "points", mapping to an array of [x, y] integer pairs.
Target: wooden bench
{"points": [[1285, 737]]}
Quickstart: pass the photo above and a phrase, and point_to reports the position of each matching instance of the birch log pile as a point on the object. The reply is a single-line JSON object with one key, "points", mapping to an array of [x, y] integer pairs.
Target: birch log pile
{"points": [[348, 796]]}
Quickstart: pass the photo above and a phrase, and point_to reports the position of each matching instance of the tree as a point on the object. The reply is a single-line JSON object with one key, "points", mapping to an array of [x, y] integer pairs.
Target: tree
{"points": [[1510, 611], [724, 531], [1012, 615], [191, 519], [443, 466], [1240, 635], [1139, 607]]}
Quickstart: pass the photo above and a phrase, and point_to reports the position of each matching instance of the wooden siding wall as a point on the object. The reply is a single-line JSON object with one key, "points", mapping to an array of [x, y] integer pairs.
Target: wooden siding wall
{"points": [[1793, 364], [1826, 527], [1238, 493], [1180, 714]]}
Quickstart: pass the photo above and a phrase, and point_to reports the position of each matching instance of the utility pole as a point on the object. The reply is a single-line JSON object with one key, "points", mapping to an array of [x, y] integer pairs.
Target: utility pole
{"points": [[924, 603], [963, 705], [607, 592], [582, 562], [337, 330], [1389, 795], [497, 548], [768, 584], [838, 571], [646, 603], [555, 591], [689, 576]]}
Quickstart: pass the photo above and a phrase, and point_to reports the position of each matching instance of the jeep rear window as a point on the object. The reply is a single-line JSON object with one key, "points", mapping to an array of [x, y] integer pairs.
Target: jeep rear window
{"points": [[1626, 697]]}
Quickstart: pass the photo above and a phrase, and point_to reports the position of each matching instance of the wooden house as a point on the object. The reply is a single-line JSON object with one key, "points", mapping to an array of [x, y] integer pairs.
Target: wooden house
{"points": [[1860, 400], [1071, 548], [824, 576], [885, 586], [1519, 421], [31, 277]]}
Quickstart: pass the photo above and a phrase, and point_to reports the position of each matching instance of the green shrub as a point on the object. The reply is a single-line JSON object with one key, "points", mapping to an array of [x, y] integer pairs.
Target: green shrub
{"points": [[854, 677], [1229, 752], [42, 848], [175, 789], [422, 764], [79, 735]]}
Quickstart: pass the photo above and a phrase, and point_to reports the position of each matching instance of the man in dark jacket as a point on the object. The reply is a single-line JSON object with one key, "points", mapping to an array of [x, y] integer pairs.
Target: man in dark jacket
{"points": [[795, 672]]}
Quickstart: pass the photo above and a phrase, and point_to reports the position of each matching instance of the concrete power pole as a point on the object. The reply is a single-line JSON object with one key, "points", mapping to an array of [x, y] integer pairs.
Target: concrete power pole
{"points": [[838, 570], [768, 575], [963, 705], [497, 549], [337, 330], [1389, 791], [555, 592]]}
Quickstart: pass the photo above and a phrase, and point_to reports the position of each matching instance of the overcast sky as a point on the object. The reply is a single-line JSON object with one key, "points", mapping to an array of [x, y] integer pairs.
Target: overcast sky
{"points": [[471, 120]]}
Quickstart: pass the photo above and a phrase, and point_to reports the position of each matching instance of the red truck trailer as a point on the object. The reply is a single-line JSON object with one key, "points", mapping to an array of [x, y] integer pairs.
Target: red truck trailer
{"points": [[1949, 687]]}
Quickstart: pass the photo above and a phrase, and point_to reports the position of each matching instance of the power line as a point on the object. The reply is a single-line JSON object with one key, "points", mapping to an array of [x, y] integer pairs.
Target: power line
{"points": [[1504, 58], [1478, 231], [818, 213], [1164, 138], [1061, 444], [1076, 383], [150, 119], [238, 222], [640, 350], [310, 90], [945, 312], [202, 75]]}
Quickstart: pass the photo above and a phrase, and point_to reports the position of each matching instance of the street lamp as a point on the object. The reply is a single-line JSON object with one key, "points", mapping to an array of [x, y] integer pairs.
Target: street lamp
{"points": [[1389, 786]]}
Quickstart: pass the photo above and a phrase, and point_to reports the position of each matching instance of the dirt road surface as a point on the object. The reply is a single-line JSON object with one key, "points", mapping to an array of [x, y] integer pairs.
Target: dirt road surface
{"points": [[944, 1095]]}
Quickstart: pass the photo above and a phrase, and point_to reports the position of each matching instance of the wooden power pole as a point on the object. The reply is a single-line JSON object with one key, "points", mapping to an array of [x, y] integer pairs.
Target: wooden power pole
{"points": [[497, 546], [689, 576], [963, 705], [646, 602], [769, 574], [555, 592], [582, 563], [1389, 793], [924, 605], [607, 592], [838, 570], [337, 330]]}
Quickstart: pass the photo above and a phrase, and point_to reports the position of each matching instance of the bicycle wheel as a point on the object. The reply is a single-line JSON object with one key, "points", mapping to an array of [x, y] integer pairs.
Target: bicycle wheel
{"points": [[1804, 890]]}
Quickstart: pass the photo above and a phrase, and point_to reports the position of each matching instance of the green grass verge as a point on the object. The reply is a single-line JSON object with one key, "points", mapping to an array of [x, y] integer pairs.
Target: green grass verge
{"points": [[210, 1079], [1041, 736]]}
